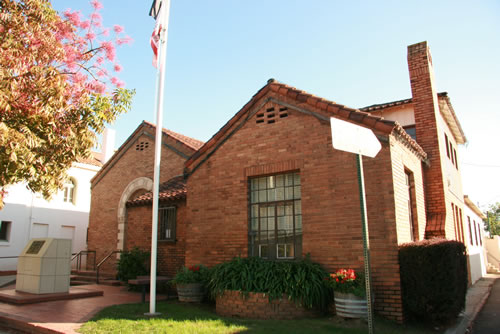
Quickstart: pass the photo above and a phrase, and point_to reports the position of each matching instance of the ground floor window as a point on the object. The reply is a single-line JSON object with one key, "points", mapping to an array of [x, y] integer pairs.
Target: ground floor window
{"points": [[4, 230], [275, 227], [166, 223]]}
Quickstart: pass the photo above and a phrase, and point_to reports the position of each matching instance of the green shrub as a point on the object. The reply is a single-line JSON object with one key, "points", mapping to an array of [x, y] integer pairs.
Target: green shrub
{"points": [[193, 274], [433, 279], [132, 264], [302, 281]]}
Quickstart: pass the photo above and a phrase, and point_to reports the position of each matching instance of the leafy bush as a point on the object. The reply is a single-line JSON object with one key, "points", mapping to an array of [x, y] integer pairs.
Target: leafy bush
{"points": [[347, 281], [302, 281], [433, 279], [193, 274], [132, 264]]}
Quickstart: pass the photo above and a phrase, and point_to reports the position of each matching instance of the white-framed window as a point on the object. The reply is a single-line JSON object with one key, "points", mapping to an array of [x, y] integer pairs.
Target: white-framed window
{"points": [[5, 227], [275, 227], [69, 191]]}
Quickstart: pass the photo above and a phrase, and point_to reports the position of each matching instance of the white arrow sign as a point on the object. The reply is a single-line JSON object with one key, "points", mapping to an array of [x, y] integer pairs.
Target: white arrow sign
{"points": [[354, 138]]}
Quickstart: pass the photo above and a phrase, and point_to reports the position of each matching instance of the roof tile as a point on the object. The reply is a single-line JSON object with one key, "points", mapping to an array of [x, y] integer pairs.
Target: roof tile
{"points": [[173, 189]]}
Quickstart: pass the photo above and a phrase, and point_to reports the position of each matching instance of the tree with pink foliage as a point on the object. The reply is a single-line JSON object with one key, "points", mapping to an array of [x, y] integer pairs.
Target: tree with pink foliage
{"points": [[58, 90]]}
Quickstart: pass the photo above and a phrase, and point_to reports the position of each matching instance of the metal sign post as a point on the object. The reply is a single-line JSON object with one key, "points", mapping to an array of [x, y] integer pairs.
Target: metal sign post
{"points": [[366, 241], [361, 141]]}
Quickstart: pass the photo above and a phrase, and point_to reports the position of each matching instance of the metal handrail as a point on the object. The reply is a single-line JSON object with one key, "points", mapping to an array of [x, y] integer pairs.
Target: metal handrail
{"points": [[102, 262], [79, 255], [9, 257]]}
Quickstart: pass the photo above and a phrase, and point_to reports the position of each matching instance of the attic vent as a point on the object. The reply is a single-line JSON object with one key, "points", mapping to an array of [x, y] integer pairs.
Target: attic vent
{"points": [[141, 146], [271, 115], [283, 112]]}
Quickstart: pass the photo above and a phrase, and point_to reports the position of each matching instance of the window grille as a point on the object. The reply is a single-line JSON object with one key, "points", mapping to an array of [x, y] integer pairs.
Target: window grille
{"points": [[166, 223]]}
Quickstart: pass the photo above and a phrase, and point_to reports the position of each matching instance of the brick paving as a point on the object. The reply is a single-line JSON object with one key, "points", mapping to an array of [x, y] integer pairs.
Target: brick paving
{"points": [[63, 316]]}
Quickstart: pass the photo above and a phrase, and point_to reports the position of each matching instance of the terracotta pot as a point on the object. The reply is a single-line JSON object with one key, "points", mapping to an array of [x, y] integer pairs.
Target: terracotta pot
{"points": [[191, 292], [348, 305]]}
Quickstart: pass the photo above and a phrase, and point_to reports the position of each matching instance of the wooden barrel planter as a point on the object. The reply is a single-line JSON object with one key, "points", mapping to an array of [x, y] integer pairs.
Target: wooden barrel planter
{"points": [[348, 305], [192, 292]]}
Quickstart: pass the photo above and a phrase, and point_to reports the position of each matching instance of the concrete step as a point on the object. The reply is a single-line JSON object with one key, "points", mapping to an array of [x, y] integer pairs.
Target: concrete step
{"points": [[81, 280]]}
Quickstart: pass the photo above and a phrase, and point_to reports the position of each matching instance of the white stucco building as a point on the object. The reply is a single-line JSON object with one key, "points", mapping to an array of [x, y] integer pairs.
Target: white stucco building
{"points": [[474, 240], [27, 215]]}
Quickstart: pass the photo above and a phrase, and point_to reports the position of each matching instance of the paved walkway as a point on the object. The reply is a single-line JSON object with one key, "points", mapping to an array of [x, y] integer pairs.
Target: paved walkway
{"points": [[6, 280], [64, 316], [488, 320], [475, 299]]}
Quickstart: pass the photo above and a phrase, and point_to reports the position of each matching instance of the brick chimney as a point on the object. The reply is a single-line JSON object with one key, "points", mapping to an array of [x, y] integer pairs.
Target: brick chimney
{"points": [[426, 110]]}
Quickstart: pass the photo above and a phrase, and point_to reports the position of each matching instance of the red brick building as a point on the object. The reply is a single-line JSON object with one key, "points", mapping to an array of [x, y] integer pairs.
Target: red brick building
{"points": [[269, 184]]}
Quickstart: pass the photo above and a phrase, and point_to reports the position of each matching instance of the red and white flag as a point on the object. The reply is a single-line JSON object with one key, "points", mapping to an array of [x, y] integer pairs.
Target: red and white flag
{"points": [[155, 36], [155, 43]]}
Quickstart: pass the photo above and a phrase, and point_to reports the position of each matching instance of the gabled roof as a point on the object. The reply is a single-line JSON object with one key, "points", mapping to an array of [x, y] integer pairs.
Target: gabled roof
{"points": [[190, 143], [195, 144], [445, 108], [173, 189], [305, 100]]}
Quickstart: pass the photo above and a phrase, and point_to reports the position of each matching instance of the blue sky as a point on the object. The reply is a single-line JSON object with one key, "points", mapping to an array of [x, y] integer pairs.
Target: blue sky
{"points": [[221, 52]]}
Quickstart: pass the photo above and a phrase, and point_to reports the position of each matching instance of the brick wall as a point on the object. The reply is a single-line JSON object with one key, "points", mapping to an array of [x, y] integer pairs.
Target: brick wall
{"points": [[257, 306], [110, 184], [170, 254], [217, 201]]}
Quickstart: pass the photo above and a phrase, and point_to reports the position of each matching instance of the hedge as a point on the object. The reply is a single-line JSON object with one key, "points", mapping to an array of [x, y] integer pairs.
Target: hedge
{"points": [[434, 279]]}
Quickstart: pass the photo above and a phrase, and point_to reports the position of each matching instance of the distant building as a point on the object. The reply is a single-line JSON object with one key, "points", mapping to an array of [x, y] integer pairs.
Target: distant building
{"points": [[474, 240], [28, 215]]}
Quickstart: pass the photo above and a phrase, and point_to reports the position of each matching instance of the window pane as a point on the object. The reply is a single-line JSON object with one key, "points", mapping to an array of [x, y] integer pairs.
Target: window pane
{"points": [[270, 223], [296, 179], [281, 223], [255, 211], [262, 183], [270, 211], [296, 192], [289, 250], [255, 224], [289, 223], [281, 210], [270, 182], [280, 194], [263, 211], [263, 224], [288, 193], [288, 209], [254, 197], [280, 180], [298, 222], [298, 207], [289, 180], [254, 184], [262, 196], [281, 250], [263, 251], [271, 195]]}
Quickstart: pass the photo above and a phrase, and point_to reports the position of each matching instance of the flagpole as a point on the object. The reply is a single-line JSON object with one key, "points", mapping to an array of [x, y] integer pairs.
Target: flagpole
{"points": [[160, 81]]}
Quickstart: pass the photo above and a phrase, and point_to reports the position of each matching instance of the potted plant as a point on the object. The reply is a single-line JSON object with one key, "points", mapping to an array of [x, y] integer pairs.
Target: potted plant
{"points": [[349, 293], [190, 283]]}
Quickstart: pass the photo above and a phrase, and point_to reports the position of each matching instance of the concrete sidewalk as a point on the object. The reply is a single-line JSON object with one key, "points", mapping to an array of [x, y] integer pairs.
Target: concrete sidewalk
{"points": [[475, 300], [488, 320], [6, 280]]}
